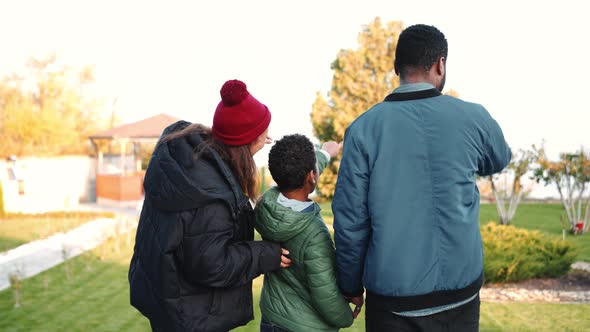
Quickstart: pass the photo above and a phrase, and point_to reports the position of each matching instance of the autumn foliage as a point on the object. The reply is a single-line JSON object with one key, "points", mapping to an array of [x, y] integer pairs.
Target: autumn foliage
{"points": [[362, 78], [47, 109]]}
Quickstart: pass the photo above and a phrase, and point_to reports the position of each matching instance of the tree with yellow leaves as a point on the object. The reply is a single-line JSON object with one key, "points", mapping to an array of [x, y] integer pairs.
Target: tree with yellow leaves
{"points": [[362, 78], [44, 111]]}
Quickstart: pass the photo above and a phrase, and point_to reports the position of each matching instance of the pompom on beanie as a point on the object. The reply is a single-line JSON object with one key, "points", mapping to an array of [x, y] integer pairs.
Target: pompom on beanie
{"points": [[239, 118]]}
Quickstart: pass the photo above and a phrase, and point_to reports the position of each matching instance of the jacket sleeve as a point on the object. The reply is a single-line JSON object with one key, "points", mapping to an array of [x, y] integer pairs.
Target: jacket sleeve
{"points": [[496, 152], [212, 258], [320, 270], [351, 217], [322, 159]]}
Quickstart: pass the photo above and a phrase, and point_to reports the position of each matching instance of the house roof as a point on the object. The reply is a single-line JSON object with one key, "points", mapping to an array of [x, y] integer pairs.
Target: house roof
{"points": [[148, 128]]}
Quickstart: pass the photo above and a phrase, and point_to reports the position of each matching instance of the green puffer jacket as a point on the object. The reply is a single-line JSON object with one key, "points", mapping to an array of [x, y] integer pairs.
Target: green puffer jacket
{"points": [[305, 296]]}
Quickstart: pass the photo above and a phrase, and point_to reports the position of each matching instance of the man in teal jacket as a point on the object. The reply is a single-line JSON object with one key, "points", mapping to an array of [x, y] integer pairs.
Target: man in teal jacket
{"points": [[406, 205]]}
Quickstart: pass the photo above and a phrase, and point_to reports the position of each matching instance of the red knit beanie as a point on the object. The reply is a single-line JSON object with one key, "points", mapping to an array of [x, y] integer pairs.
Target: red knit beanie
{"points": [[239, 118]]}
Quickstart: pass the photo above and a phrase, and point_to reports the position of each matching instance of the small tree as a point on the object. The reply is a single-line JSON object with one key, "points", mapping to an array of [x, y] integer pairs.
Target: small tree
{"points": [[571, 176], [507, 186], [16, 283], [65, 255]]}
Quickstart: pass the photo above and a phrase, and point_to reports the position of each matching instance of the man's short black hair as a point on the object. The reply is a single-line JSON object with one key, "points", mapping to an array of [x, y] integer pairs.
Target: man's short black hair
{"points": [[419, 46], [290, 160]]}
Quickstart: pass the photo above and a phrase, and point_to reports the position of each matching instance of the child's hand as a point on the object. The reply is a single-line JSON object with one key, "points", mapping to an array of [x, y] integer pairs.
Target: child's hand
{"points": [[358, 302], [333, 148]]}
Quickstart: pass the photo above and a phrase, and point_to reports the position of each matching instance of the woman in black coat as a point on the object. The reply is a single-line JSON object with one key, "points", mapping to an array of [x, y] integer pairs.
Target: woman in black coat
{"points": [[195, 256]]}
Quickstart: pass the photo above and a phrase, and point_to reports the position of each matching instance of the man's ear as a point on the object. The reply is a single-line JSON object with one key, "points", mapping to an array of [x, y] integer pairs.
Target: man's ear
{"points": [[440, 66], [395, 69]]}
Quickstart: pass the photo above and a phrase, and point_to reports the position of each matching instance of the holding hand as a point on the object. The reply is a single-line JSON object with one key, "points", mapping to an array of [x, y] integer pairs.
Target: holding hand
{"points": [[358, 301], [332, 147], [285, 261]]}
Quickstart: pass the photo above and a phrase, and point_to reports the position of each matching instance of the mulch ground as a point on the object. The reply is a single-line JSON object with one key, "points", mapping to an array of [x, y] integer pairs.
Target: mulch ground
{"points": [[575, 281]]}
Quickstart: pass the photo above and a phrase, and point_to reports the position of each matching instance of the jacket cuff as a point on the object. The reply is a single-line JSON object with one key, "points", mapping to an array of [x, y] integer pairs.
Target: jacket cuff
{"points": [[326, 154], [270, 260]]}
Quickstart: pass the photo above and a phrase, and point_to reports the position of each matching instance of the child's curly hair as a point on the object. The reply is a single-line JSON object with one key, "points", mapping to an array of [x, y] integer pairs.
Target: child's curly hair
{"points": [[290, 160]]}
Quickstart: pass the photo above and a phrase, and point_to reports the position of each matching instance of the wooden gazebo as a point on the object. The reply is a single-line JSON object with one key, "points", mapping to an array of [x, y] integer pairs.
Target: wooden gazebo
{"points": [[123, 185]]}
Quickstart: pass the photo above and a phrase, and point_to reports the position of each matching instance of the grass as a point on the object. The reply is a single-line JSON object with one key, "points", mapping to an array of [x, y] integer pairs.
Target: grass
{"points": [[96, 298], [504, 317], [534, 317], [18, 229], [542, 217]]}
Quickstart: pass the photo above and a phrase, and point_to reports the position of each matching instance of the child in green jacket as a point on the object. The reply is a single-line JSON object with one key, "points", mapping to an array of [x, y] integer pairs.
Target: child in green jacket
{"points": [[304, 297]]}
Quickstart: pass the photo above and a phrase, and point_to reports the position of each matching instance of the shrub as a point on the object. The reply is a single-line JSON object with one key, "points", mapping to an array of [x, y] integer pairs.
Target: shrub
{"points": [[513, 254]]}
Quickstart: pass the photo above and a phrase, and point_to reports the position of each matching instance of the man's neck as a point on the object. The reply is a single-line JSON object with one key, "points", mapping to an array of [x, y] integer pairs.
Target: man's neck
{"points": [[416, 79]]}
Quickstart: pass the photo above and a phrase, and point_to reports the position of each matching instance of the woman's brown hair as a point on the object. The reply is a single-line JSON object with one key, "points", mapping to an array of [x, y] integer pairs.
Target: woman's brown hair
{"points": [[239, 158]]}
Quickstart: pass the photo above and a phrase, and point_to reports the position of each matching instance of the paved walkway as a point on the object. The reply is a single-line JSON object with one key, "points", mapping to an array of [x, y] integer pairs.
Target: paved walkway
{"points": [[120, 211], [37, 256]]}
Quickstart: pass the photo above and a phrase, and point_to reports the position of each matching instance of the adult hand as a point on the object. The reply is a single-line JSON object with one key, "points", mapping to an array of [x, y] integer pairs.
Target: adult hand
{"points": [[358, 301], [333, 148], [285, 261]]}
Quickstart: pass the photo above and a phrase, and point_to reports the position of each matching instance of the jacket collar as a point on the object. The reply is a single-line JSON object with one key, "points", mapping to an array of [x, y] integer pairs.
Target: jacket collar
{"points": [[413, 91], [278, 223]]}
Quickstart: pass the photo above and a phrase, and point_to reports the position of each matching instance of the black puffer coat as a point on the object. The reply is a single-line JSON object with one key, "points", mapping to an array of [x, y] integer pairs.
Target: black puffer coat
{"points": [[195, 258]]}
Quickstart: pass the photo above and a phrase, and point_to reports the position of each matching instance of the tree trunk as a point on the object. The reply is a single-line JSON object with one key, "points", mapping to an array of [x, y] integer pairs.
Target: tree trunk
{"points": [[17, 298], [514, 201], [566, 205], [500, 206], [587, 215]]}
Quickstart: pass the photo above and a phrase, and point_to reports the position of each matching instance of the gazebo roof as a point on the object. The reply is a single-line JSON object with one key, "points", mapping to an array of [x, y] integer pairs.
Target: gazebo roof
{"points": [[148, 128]]}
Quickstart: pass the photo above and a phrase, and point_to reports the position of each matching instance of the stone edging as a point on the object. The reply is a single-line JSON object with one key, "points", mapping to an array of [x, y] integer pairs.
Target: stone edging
{"points": [[533, 295], [514, 294]]}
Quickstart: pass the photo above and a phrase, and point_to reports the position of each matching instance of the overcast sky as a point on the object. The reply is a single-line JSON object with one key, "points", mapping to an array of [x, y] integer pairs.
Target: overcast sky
{"points": [[525, 61]]}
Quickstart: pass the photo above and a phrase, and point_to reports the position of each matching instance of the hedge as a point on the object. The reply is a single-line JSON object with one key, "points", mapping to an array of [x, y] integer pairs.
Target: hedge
{"points": [[513, 254]]}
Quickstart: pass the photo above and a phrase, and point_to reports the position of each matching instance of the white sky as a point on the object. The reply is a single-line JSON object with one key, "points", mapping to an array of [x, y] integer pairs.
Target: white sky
{"points": [[525, 61]]}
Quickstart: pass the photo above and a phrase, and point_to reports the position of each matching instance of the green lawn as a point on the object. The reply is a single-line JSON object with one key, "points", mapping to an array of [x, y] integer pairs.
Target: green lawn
{"points": [[96, 298], [542, 217], [17, 229]]}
